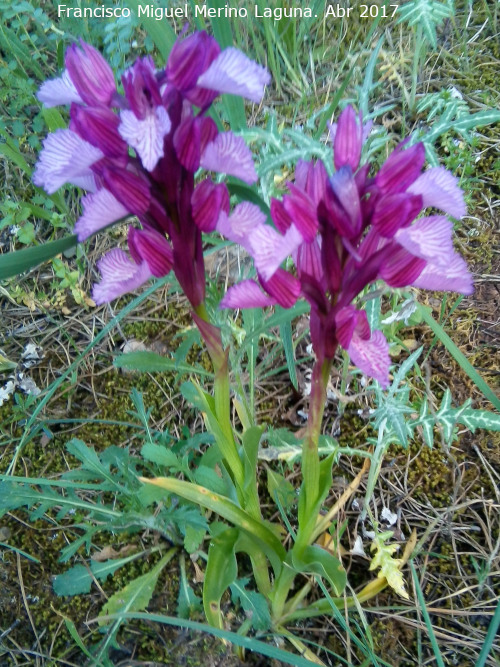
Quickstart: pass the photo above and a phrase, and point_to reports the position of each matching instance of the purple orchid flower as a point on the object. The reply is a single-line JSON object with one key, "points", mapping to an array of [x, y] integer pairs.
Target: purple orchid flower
{"points": [[136, 154], [346, 231]]}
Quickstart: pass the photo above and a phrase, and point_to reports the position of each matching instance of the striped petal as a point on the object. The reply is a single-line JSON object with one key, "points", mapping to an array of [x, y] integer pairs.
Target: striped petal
{"points": [[146, 135], [232, 72], [66, 158], [439, 189], [58, 91], [371, 356], [99, 210], [429, 238], [120, 275], [229, 154], [454, 277], [246, 294]]}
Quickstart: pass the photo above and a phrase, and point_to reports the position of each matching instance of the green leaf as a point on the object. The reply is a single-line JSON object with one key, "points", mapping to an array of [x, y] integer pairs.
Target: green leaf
{"points": [[428, 14], [207, 477], [6, 364], [480, 419], [78, 579], [137, 594], [53, 118], [161, 32], [151, 362], [187, 601], [286, 337], [159, 455], [253, 604], [193, 537], [281, 489], [14, 263], [316, 560], [225, 508], [221, 572]]}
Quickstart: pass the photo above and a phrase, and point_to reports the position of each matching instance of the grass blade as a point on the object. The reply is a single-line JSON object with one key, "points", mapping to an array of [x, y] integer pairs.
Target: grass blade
{"points": [[459, 357], [14, 263], [425, 614]]}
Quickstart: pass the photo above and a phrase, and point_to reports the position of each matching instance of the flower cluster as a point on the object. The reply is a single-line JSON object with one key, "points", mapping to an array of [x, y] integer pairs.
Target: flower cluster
{"points": [[136, 154], [346, 231]]}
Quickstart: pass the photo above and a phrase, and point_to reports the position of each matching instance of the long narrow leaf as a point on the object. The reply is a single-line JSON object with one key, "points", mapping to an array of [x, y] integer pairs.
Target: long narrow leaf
{"points": [[459, 357], [14, 263], [161, 32], [226, 509], [248, 643]]}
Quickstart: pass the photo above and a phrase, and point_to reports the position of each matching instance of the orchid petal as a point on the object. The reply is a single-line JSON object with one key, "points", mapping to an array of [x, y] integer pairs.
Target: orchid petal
{"points": [[232, 72], [246, 294], [153, 248], [229, 154], [401, 169], [453, 277], [120, 275], [58, 91], [348, 140], [283, 287], [371, 356], [99, 210], [440, 189], [91, 75], [66, 158], [302, 210], [146, 135], [429, 238], [208, 201]]}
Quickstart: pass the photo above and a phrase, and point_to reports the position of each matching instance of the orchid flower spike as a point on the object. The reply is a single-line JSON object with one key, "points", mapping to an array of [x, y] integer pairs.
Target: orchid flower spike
{"points": [[347, 231]]}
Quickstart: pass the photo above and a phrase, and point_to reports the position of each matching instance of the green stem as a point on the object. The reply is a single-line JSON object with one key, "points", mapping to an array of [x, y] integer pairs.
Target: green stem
{"points": [[247, 489], [310, 454]]}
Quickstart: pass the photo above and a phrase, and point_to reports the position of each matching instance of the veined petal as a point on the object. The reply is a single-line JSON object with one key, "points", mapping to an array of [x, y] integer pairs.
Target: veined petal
{"points": [[92, 76], [394, 212], [153, 248], [439, 189], [120, 275], [302, 210], [146, 135], [307, 259], [229, 154], [187, 140], [429, 238], [66, 158], [58, 91], [246, 294], [99, 126], [99, 210], [269, 248], [283, 287], [240, 225], [401, 169], [232, 72], [208, 201], [280, 217], [454, 277], [401, 268], [189, 58], [371, 356], [131, 190], [348, 140]]}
